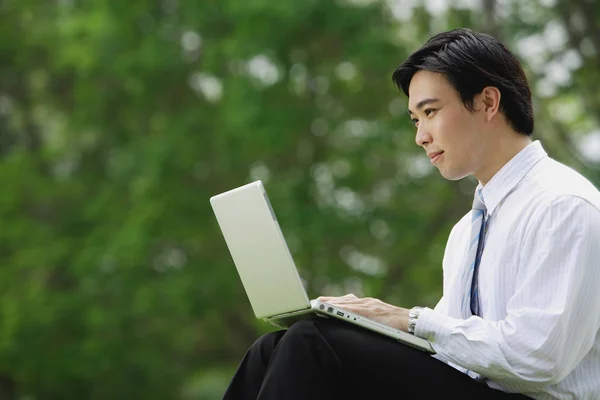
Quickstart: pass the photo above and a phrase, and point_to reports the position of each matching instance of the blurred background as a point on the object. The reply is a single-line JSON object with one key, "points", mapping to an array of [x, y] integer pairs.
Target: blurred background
{"points": [[119, 119]]}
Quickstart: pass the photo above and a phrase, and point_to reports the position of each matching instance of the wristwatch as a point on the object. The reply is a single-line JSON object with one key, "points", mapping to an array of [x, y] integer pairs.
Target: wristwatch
{"points": [[413, 316]]}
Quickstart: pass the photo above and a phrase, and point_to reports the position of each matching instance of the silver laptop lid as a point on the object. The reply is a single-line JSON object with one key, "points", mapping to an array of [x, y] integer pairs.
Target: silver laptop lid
{"points": [[259, 251]]}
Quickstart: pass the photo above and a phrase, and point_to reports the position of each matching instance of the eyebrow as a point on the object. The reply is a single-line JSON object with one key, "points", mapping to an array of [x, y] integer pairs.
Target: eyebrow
{"points": [[423, 103]]}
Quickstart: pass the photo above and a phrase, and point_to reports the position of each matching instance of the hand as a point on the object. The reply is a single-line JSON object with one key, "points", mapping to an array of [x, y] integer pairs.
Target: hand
{"points": [[374, 309]]}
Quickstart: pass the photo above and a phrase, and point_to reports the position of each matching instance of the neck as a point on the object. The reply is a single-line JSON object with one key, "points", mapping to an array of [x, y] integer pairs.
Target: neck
{"points": [[500, 152]]}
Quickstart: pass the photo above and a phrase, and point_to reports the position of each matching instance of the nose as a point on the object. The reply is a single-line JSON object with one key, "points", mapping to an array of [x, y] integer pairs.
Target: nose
{"points": [[423, 136]]}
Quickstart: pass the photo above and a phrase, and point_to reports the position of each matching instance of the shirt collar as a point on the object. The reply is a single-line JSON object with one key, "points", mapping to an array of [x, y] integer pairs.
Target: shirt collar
{"points": [[507, 178]]}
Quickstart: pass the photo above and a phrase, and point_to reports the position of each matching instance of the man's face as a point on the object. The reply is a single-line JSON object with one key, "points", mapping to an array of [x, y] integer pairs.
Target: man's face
{"points": [[450, 134]]}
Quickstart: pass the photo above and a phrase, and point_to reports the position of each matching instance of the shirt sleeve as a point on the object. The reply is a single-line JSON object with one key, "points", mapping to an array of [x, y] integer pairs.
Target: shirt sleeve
{"points": [[553, 317]]}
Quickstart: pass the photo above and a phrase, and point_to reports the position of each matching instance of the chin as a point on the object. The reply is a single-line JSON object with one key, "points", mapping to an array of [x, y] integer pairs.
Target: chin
{"points": [[453, 175]]}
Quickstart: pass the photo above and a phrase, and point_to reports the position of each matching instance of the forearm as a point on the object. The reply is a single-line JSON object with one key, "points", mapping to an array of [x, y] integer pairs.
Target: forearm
{"points": [[504, 351]]}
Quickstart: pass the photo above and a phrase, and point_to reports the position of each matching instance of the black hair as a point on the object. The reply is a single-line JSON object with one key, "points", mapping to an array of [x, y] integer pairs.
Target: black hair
{"points": [[471, 61]]}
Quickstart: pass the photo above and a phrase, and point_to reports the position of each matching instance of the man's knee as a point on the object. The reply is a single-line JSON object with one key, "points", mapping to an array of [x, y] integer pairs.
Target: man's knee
{"points": [[304, 329], [265, 345], [313, 329], [301, 333]]}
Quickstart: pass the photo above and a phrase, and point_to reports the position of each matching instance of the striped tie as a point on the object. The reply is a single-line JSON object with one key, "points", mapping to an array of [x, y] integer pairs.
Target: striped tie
{"points": [[474, 256]]}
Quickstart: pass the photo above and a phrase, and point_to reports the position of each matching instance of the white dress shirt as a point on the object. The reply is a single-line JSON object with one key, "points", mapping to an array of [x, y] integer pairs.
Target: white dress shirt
{"points": [[539, 285]]}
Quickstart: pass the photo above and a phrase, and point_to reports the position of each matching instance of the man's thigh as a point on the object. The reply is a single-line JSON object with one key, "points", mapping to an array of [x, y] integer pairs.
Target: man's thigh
{"points": [[374, 366]]}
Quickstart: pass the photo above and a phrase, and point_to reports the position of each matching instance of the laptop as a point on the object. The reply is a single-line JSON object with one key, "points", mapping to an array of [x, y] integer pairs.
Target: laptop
{"points": [[267, 270]]}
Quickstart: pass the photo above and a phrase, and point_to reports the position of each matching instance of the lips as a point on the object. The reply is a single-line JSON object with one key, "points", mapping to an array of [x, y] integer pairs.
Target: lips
{"points": [[434, 154]]}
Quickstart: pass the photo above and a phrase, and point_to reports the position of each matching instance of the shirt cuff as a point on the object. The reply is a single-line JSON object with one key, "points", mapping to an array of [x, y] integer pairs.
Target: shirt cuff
{"points": [[435, 327]]}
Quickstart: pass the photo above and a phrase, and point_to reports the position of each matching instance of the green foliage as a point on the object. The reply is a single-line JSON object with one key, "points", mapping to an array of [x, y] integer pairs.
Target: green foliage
{"points": [[118, 121]]}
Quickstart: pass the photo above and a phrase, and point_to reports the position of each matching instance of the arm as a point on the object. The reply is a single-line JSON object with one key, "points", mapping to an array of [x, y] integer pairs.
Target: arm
{"points": [[553, 317], [379, 311]]}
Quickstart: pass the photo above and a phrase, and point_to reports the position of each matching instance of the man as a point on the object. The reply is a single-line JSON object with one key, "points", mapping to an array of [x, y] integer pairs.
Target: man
{"points": [[520, 312]]}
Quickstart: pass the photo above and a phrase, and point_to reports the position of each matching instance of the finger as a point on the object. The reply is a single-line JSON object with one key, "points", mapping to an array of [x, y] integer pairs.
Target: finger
{"points": [[325, 299], [345, 298], [348, 298]]}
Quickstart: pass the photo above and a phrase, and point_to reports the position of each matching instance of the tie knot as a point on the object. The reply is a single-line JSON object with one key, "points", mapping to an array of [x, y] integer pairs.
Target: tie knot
{"points": [[478, 203]]}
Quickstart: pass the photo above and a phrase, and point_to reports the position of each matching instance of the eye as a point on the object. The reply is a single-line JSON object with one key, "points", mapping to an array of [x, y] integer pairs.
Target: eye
{"points": [[429, 111], [415, 121]]}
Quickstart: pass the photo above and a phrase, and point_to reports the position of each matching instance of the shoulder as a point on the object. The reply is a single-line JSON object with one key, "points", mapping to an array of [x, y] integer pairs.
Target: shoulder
{"points": [[552, 197], [561, 200], [552, 183]]}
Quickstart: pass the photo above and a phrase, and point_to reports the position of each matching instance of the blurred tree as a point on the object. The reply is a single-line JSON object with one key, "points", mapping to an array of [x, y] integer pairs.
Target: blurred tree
{"points": [[118, 120]]}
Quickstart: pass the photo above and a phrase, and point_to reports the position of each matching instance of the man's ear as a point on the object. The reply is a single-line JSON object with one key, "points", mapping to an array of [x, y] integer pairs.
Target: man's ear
{"points": [[490, 96]]}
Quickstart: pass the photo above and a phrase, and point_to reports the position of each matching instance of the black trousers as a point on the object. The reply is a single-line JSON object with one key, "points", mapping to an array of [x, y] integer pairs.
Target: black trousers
{"points": [[328, 359]]}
